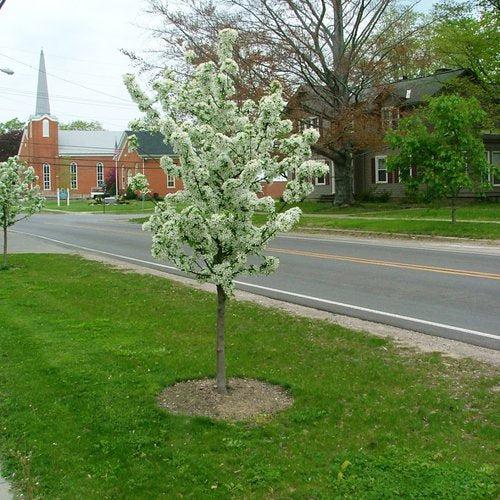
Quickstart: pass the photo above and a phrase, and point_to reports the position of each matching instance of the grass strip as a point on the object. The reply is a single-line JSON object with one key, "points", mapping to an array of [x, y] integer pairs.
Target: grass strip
{"points": [[86, 349]]}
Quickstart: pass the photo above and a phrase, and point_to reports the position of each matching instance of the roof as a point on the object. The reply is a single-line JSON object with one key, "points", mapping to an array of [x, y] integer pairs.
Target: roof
{"points": [[419, 88], [88, 142], [426, 86], [150, 143]]}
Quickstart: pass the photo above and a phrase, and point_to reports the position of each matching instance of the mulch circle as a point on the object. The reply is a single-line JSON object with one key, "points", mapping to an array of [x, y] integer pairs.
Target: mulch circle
{"points": [[246, 399]]}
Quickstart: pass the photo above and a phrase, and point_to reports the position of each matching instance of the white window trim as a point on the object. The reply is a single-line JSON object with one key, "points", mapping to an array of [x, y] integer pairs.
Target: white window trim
{"points": [[47, 177], [490, 161], [321, 183], [377, 180], [75, 174], [45, 128], [303, 125], [170, 185], [100, 165]]}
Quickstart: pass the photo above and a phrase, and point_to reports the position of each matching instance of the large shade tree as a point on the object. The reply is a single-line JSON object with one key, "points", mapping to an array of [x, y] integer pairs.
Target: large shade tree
{"points": [[336, 49], [226, 151], [20, 197], [194, 25], [339, 50], [439, 150]]}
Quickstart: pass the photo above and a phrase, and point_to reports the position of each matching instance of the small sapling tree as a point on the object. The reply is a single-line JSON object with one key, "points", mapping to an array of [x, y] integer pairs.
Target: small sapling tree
{"points": [[19, 196], [439, 150], [226, 151]]}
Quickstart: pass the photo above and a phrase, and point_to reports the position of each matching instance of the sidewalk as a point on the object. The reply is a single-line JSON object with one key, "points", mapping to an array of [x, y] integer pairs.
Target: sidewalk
{"points": [[5, 493]]}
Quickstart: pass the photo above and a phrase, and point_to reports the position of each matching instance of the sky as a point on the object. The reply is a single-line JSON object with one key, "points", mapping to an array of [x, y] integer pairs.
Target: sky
{"points": [[81, 40]]}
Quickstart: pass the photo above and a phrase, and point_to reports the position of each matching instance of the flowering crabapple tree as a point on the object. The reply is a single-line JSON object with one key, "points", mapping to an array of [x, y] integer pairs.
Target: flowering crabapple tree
{"points": [[226, 152], [19, 196]]}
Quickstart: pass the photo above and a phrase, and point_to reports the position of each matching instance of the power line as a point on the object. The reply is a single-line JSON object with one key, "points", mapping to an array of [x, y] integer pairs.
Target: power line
{"points": [[61, 163], [79, 116], [65, 79], [59, 97], [110, 149], [51, 54]]}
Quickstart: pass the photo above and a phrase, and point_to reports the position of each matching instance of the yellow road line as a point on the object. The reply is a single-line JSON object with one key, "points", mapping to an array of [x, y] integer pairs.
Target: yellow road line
{"points": [[358, 260], [385, 263]]}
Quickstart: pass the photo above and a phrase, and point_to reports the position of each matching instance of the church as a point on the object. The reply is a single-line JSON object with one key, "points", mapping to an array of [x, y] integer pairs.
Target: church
{"points": [[83, 161]]}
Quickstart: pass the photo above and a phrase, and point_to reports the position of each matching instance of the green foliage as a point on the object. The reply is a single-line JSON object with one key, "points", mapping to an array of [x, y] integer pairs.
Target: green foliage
{"points": [[373, 195], [78, 414], [484, 93], [130, 194], [439, 148], [81, 125], [467, 37], [14, 124]]}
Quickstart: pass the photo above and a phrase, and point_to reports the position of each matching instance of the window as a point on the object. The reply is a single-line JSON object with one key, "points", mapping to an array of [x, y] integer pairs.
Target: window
{"points": [[100, 174], [73, 175], [310, 122], [46, 128], [380, 169], [321, 181], [170, 181], [390, 117], [495, 161], [46, 177]]}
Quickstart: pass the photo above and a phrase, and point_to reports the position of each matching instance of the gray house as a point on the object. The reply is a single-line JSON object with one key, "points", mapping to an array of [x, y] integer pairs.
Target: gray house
{"points": [[370, 169]]}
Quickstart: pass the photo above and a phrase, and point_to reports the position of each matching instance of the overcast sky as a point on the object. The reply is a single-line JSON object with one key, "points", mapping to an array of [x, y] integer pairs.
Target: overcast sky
{"points": [[81, 41]]}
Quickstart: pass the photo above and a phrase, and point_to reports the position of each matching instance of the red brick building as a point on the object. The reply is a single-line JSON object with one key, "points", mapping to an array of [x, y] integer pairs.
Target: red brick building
{"points": [[146, 160], [83, 161]]}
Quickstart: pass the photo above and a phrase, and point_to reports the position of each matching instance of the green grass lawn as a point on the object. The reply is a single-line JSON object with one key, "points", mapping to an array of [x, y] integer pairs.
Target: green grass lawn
{"points": [[488, 211], [134, 206], [85, 350], [411, 221], [489, 231], [402, 226]]}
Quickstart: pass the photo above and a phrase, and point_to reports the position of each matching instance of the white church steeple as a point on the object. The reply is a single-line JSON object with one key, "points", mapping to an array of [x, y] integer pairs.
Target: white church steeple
{"points": [[42, 91]]}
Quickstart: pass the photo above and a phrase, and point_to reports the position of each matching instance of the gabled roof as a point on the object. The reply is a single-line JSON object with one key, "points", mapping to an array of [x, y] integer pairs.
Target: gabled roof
{"points": [[149, 143], [419, 89], [88, 143], [426, 86]]}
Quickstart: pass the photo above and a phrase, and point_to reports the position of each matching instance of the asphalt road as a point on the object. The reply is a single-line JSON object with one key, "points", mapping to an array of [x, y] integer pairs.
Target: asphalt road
{"points": [[448, 290]]}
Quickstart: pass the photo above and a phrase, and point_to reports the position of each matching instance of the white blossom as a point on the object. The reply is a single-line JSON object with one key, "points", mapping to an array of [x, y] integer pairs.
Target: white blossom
{"points": [[139, 182], [225, 152], [20, 197]]}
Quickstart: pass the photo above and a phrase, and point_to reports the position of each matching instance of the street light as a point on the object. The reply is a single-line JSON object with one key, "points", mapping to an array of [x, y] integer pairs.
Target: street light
{"points": [[7, 71]]}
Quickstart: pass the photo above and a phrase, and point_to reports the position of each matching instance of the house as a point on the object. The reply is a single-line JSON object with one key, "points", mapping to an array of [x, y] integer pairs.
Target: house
{"points": [[370, 173], [146, 160], [83, 161]]}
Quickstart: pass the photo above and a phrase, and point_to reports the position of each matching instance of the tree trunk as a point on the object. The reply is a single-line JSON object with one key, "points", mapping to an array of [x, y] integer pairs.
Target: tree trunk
{"points": [[453, 211], [343, 180], [4, 260], [221, 357]]}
